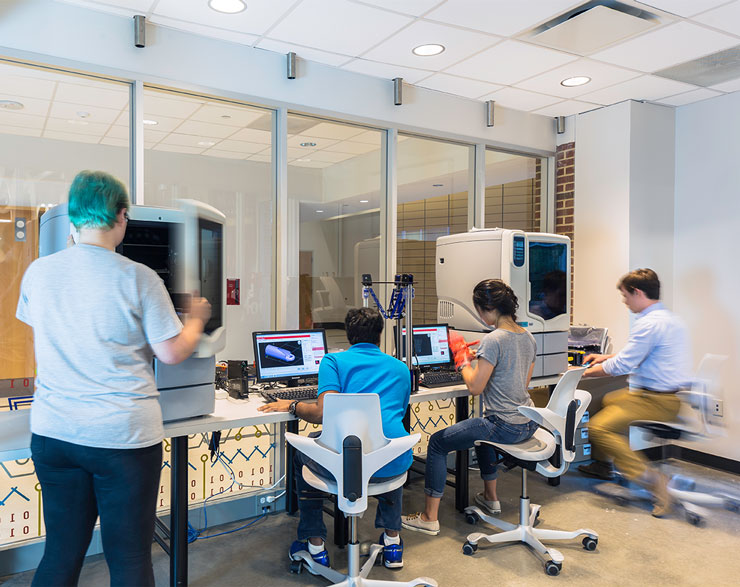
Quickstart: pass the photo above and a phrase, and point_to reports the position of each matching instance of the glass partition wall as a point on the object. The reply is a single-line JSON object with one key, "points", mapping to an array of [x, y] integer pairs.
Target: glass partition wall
{"points": [[514, 191]]}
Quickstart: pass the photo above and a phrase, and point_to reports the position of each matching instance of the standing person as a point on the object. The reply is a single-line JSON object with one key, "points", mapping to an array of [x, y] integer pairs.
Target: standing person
{"points": [[505, 361], [656, 357], [96, 424], [363, 368]]}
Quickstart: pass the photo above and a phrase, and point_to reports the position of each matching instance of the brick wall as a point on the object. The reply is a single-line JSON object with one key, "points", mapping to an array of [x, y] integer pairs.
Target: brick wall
{"points": [[565, 177]]}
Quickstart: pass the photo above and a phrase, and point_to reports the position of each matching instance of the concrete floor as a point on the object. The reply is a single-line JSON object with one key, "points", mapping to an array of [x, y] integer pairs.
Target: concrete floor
{"points": [[634, 548]]}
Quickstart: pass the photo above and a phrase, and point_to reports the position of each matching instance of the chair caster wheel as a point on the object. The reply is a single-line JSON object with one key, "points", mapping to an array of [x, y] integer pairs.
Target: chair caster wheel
{"points": [[590, 543], [694, 519], [296, 567], [471, 518], [469, 549], [732, 505], [552, 568]]}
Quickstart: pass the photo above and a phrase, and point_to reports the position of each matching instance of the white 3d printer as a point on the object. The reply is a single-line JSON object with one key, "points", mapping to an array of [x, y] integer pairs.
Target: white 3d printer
{"points": [[186, 248], [535, 265]]}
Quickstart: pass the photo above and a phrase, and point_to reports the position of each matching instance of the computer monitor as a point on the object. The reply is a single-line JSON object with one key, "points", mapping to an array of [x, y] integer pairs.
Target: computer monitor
{"points": [[431, 346], [288, 355]]}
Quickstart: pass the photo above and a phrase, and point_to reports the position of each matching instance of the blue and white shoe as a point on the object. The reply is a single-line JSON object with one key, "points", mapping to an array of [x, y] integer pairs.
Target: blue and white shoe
{"points": [[322, 558], [392, 553]]}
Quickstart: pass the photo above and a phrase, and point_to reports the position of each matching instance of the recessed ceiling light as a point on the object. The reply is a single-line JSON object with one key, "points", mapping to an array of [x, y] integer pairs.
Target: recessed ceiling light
{"points": [[150, 122], [83, 114], [10, 105], [364, 201], [428, 50], [308, 144], [206, 143], [577, 80], [319, 211], [227, 6]]}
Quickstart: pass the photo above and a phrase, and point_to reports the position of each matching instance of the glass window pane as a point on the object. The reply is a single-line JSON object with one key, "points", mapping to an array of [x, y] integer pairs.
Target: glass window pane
{"points": [[334, 188], [52, 125], [432, 202], [513, 187], [219, 152]]}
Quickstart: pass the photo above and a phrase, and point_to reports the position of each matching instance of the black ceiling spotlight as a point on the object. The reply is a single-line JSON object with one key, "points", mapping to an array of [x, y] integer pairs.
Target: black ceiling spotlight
{"points": [[290, 59], [398, 91], [139, 31]]}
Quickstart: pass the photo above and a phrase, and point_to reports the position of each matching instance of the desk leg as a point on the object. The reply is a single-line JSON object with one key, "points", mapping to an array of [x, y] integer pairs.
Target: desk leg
{"points": [[291, 498], [179, 513], [461, 459]]}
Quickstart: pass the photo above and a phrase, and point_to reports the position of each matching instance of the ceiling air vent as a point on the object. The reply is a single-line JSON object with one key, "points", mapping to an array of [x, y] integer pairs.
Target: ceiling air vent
{"points": [[709, 70], [593, 26]]}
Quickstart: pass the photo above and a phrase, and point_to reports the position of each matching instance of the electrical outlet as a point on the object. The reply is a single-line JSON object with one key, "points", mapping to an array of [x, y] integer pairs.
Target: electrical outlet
{"points": [[718, 408]]}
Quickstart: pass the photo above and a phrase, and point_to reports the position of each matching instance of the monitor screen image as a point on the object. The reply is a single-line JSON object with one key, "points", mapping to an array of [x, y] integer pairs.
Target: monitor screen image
{"points": [[289, 354], [431, 346]]}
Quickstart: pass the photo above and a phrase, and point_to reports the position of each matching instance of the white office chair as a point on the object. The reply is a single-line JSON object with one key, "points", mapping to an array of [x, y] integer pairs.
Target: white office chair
{"points": [[558, 423], [695, 421], [352, 448]]}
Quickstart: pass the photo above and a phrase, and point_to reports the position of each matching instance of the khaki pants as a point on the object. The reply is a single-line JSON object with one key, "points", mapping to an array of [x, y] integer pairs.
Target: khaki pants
{"points": [[609, 428]]}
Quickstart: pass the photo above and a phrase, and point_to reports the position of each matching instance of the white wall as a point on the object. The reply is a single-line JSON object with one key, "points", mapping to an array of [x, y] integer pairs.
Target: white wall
{"points": [[706, 250]]}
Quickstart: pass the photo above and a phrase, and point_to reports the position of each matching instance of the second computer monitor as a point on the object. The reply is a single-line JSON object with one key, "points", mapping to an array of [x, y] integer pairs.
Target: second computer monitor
{"points": [[289, 354], [431, 346]]}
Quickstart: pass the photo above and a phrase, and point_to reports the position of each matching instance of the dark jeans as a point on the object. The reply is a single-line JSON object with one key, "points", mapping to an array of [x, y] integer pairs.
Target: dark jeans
{"points": [[78, 483], [311, 502], [462, 436]]}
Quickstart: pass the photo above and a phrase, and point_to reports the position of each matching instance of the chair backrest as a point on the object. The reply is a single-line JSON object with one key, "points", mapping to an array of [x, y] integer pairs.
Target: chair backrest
{"points": [[697, 408], [561, 417], [352, 446]]}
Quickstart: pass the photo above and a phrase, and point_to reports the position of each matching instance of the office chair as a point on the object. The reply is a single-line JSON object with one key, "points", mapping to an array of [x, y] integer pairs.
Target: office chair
{"points": [[694, 422], [558, 423], [352, 447]]}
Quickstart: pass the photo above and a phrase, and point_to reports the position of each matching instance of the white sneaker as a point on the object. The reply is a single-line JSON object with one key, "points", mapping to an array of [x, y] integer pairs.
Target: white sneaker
{"points": [[492, 507], [414, 522]]}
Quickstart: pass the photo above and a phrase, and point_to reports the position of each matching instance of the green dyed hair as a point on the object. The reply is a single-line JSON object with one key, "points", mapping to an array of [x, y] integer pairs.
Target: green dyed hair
{"points": [[95, 198]]}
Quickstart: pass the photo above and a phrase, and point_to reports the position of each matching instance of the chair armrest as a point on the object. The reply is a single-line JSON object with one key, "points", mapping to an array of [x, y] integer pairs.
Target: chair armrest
{"points": [[545, 418], [325, 457], [395, 448]]}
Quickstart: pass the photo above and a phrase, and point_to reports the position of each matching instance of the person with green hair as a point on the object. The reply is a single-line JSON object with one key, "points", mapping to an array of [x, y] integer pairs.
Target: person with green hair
{"points": [[98, 319]]}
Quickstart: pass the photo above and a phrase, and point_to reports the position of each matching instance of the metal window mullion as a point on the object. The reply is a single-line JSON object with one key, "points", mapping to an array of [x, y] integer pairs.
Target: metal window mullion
{"points": [[136, 138], [388, 217], [547, 203], [280, 194], [477, 189]]}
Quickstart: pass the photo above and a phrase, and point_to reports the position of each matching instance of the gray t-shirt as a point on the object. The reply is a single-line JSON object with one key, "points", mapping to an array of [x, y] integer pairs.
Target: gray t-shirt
{"points": [[94, 315], [511, 355]]}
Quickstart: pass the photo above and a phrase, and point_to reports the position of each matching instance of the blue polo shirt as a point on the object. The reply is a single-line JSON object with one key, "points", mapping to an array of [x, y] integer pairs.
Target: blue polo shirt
{"points": [[364, 368]]}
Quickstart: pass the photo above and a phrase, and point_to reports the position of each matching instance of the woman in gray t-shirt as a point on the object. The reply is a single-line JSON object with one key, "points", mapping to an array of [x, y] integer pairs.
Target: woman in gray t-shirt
{"points": [[505, 362]]}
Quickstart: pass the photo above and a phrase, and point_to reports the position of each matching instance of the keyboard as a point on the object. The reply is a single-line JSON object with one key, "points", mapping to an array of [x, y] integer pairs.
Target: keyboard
{"points": [[291, 393], [441, 378]]}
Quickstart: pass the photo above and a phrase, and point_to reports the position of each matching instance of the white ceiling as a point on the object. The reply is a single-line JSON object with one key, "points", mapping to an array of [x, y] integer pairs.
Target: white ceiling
{"points": [[490, 52]]}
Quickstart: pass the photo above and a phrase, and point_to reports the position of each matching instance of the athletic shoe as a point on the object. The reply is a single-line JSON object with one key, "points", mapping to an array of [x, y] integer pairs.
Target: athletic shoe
{"points": [[392, 553], [598, 469], [414, 522], [322, 558], [490, 506]]}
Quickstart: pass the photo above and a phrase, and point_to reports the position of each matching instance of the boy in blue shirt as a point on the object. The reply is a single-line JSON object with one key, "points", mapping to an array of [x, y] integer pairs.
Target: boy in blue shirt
{"points": [[363, 368]]}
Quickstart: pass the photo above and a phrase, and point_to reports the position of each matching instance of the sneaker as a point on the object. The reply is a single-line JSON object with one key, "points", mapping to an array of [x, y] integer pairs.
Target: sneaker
{"points": [[414, 522], [663, 503], [490, 506], [598, 469], [392, 553], [322, 558]]}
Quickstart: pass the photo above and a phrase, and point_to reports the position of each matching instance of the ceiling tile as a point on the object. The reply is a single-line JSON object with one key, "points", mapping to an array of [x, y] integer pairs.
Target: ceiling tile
{"points": [[510, 62], [95, 114], [311, 163], [412, 7], [352, 147], [298, 153], [601, 74], [81, 127], [372, 137], [646, 87], [20, 130], [303, 52], [459, 86], [330, 130], [225, 154], [459, 44], [566, 108], [118, 132], [261, 158], [164, 123], [26, 87], [68, 136], [172, 105], [240, 147], [259, 16], [386, 70], [205, 129], [521, 99], [153, 136], [178, 149], [115, 98], [500, 17], [667, 46], [321, 142], [205, 31], [689, 97], [186, 140], [123, 7], [338, 26], [726, 18], [682, 7], [32, 106], [329, 156], [228, 115], [731, 86], [114, 142], [253, 136]]}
